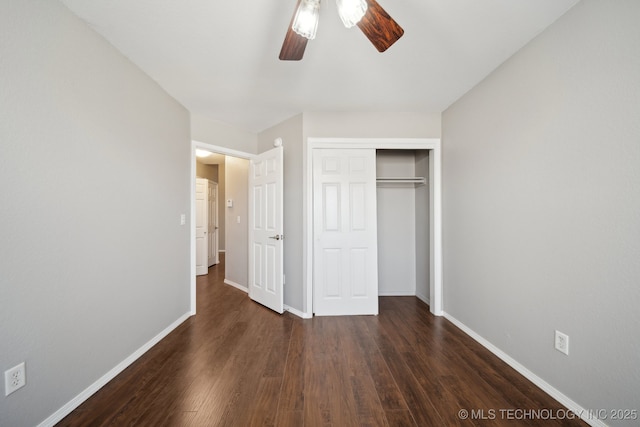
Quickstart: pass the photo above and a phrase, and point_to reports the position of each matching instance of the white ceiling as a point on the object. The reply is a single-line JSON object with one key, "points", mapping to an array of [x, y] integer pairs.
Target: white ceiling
{"points": [[220, 58]]}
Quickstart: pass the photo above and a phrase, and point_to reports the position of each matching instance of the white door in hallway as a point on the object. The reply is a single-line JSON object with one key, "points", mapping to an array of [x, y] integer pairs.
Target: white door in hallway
{"points": [[202, 220], [345, 250], [212, 223], [266, 229]]}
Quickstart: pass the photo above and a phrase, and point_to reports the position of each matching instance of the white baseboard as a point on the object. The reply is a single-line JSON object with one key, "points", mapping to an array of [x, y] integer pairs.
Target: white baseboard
{"points": [[286, 307], [222, 250], [396, 293], [57, 416], [236, 285], [424, 299], [297, 312], [545, 386]]}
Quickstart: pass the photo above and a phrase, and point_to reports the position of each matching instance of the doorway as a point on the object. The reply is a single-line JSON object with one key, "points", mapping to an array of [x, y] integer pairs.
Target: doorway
{"points": [[233, 215], [207, 224], [435, 208], [252, 251]]}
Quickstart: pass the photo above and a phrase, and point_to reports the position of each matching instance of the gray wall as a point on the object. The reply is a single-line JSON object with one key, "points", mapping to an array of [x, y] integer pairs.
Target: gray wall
{"points": [[372, 125], [222, 205], [422, 227], [209, 172], [541, 168], [94, 174], [237, 234], [291, 133], [211, 131]]}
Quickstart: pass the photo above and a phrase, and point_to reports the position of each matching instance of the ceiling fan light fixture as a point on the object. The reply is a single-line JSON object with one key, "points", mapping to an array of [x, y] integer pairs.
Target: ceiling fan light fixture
{"points": [[306, 20], [351, 11]]}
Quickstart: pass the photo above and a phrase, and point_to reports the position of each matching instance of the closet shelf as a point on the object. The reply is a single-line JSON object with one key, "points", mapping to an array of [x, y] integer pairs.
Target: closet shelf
{"points": [[416, 180]]}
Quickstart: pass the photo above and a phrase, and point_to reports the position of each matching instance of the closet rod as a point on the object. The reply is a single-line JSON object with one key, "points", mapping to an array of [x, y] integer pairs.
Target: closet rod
{"points": [[402, 180]]}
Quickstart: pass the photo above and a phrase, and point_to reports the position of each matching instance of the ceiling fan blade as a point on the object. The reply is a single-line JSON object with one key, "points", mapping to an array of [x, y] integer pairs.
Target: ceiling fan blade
{"points": [[294, 44], [379, 27]]}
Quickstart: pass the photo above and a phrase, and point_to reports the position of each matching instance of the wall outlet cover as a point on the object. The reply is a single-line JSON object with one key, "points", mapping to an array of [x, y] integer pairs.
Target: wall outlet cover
{"points": [[14, 379]]}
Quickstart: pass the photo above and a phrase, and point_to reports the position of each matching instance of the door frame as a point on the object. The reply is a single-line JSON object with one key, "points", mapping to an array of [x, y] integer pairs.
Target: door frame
{"points": [[435, 206], [215, 209], [192, 219]]}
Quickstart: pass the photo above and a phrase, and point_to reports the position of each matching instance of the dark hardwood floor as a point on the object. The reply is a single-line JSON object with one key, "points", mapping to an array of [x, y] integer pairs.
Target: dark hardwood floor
{"points": [[237, 363]]}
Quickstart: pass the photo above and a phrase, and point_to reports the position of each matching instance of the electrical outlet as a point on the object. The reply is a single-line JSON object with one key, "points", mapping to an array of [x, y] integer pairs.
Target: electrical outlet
{"points": [[562, 342], [14, 379]]}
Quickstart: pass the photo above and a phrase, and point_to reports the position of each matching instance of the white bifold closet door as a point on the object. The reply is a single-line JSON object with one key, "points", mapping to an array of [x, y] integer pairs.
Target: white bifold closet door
{"points": [[345, 258]]}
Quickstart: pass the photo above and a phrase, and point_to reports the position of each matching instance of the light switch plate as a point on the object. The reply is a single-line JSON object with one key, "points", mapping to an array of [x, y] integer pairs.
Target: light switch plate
{"points": [[562, 342]]}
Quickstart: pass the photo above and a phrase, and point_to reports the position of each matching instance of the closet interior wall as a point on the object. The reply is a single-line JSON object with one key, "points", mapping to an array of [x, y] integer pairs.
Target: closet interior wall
{"points": [[403, 224]]}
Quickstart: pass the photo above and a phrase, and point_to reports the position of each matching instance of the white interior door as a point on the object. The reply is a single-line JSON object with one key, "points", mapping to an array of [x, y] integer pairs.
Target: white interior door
{"points": [[202, 207], [212, 224], [345, 259], [265, 229]]}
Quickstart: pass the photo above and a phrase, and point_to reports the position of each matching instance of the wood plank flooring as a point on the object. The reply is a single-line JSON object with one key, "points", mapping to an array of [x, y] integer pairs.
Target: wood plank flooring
{"points": [[237, 363]]}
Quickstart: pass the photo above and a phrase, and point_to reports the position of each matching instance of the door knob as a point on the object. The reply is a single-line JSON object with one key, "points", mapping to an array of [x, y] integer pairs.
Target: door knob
{"points": [[276, 237]]}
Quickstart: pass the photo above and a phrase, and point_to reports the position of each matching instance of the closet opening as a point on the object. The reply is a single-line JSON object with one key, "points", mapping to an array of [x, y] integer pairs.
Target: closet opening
{"points": [[407, 177], [402, 192], [403, 222]]}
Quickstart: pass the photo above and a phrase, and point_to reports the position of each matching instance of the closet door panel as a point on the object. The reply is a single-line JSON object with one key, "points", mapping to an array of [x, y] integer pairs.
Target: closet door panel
{"points": [[345, 269]]}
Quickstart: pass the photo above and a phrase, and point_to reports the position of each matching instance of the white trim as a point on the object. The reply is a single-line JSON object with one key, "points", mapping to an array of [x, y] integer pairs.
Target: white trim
{"points": [[297, 312], [57, 416], [221, 251], [436, 281], [396, 294], [192, 232], [222, 150], [236, 285], [215, 149], [545, 386], [375, 143], [435, 205], [423, 298]]}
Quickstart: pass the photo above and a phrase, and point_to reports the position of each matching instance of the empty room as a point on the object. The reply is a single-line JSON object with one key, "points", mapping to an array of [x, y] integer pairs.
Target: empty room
{"points": [[308, 212]]}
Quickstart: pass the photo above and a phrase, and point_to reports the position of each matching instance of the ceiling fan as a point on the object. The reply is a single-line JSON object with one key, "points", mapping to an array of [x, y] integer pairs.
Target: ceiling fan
{"points": [[368, 15]]}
